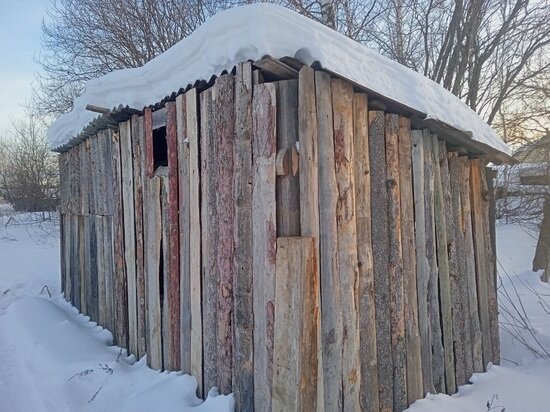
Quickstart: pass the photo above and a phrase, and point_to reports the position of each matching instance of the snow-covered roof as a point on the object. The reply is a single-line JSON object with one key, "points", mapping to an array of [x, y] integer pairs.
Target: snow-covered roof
{"points": [[250, 33]]}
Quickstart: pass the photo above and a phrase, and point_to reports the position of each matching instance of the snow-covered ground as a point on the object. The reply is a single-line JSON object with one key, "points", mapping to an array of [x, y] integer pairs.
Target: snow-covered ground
{"points": [[53, 359]]}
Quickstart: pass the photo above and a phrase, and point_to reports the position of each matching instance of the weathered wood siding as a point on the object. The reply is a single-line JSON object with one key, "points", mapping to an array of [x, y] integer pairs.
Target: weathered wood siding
{"points": [[294, 243]]}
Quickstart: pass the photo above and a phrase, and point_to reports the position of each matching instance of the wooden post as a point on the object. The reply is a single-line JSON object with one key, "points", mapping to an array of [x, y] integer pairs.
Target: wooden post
{"points": [[209, 237], [457, 272], [412, 332], [243, 349], [399, 357], [380, 251], [120, 284], [295, 333], [309, 197], [184, 239], [439, 165], [542, 253], [149, 156], [138, 150], [173, 219], [224, 102], [331, 320], [342, 106], [490, 245], [129, 230], [165, 270], [422, 274], [152, 250], [367, 312], [288, 185], [101, 286], [264, 118], [476, 337], [438, 366]]}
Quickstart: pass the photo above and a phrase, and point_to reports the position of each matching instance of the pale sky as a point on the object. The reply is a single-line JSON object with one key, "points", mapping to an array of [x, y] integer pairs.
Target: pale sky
{"points": [[20, 31]]}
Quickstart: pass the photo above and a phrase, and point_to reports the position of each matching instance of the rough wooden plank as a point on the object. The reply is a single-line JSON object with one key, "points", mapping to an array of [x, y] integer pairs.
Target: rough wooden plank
{"points": [[422, 274], [309, 194], [195, 233], [127, 171], [412, 332], [149, 158], [331, 321], [84, 180], [288, 186], [466, 227], [184, 240], [264, 117], [173, 252], [380, 250], [295, 335], [398, 344], [224, 104], [540, 261], [78, 260], [342, 107], [109, 267], [101, 285], [489, 228], [209, 237], [65, 286], [457, 261], [92, 292], [438, 363], [439, 163], [120, 284], [138, 151], [367, 311], [165, 270], [243, 349], [152, 245]]}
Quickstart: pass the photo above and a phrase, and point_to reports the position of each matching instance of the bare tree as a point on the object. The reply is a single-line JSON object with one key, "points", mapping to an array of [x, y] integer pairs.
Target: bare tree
{"points": [[84, 39], [28, 169]]}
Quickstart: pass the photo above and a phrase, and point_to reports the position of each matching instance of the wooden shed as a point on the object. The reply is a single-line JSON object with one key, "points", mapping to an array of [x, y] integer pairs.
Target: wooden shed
{"points": [[284, 230]]}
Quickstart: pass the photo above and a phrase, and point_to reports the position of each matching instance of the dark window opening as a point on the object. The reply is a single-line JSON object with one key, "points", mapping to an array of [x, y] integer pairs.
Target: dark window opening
{"points": [[160, 147]]}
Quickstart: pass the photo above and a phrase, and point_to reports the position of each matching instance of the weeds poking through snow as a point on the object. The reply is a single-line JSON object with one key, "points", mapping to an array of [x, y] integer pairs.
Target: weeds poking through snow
{"points": [[80, 374], [47, 290], [492, 407]]}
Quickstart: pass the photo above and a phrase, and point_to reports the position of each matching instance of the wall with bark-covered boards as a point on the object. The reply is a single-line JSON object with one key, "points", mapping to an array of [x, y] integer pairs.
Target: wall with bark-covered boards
{"points": [[298, 245]]}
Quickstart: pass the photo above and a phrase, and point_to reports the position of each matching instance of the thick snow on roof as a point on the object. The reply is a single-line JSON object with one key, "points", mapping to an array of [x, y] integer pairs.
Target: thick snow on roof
{"points": [[250, 33]]}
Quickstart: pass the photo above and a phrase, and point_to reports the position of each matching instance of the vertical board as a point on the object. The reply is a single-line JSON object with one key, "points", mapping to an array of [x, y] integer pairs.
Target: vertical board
{"points": [[192, 125], [458, 273], [331, 314], [288, 186], [439, 164], [480, 258], [295, 336], [129, 230], [149, 156], [138, 151], [367, 311], [209, 237], [421, 260], [184, 237], [342, 107], [224, 103], [165, 266], [84, 180], [438, 364], [380, 251], [120, 284], [477, 351], [309, 191], [108, 257], [152, 250], [489, 229], [174, 249], [243, 348], [264, 235], [101, 287], [397, 310], [412, 332]]}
